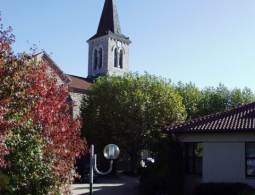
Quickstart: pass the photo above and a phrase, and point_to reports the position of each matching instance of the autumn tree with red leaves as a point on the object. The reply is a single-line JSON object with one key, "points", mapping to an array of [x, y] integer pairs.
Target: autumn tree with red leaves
{"points": [[39, 139]]}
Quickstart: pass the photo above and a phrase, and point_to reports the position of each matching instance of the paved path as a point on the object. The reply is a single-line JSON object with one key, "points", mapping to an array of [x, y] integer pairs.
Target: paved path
{"points": [[123, 185]]}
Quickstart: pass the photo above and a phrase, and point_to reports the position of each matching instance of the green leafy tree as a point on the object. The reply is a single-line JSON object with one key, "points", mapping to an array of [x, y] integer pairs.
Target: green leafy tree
{"points": [[130, 111], [211, 100], [191, 97], [239, 97]]}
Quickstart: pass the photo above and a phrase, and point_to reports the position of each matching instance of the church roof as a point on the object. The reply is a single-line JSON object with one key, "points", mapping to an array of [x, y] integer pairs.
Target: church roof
{"points": [[239, 119], [79, 84], [109, 22]]}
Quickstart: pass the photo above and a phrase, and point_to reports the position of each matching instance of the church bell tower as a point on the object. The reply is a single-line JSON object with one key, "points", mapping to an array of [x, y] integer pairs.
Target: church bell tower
{"points": [[108, 48]]}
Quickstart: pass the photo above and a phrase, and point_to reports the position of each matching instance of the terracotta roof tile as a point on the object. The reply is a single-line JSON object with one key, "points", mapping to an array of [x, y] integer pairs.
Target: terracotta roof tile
{"points": [[80, 82], [236, 120]]}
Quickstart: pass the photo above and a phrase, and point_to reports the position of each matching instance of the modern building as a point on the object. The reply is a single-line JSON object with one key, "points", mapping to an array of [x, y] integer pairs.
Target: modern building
{"points": [[219, 147]]}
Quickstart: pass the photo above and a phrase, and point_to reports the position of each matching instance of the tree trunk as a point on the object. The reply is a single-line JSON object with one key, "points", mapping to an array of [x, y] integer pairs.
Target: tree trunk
{"points": [[175, 171], [134, 163]]}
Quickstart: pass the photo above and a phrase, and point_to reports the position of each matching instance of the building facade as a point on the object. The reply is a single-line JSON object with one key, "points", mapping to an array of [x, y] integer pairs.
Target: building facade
{"points": [[219, 147]]}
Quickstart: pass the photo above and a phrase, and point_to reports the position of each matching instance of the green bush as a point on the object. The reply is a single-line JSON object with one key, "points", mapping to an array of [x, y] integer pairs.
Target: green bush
{"points": [[5, 187], [153, 180], [223, 189], [166, 175], [175, 168]]}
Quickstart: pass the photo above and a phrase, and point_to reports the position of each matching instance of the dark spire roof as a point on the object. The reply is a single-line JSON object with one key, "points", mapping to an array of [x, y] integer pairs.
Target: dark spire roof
{"points": [[109, 22], [109, 19]]}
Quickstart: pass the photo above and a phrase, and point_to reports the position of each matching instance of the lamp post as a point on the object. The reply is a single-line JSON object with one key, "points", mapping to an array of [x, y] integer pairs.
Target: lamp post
{"points": [[111, 152]]}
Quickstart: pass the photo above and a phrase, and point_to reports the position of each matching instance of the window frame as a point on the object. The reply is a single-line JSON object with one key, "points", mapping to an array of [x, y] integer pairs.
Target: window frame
{"points": [[246, 160], [121, 59], [115, 58], [100, 58], [193, 158], [95, 59]]}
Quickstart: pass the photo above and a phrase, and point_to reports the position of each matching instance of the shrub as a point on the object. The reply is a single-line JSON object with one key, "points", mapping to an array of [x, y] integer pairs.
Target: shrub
{"points": [[223, 189], [5, 187], [175, 168], [166, 176], [153, 180]]}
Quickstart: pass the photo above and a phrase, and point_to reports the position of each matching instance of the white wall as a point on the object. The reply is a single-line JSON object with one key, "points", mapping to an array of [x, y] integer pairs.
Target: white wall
{"points": [[225, 162], [223, 156]]}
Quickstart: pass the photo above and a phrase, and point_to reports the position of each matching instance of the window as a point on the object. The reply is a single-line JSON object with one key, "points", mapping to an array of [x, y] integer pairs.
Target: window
{"points": [[121, 59], [250, 159], [193, 158], [116, 57], [100, 58], [95, 59]]}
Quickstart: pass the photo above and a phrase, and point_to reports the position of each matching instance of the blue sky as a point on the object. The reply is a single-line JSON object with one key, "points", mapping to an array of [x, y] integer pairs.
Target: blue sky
{"points": [[202, 41]]}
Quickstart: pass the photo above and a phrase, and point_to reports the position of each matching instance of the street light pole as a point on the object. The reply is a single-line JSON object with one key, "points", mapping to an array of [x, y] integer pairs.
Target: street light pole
{"points": [[111, 152], [91, 168]]}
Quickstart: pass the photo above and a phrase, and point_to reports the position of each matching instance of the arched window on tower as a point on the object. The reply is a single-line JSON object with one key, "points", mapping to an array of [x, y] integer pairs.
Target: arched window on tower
{"points": [[116, 58], [121, 59], [100, 57], [95, 59]]}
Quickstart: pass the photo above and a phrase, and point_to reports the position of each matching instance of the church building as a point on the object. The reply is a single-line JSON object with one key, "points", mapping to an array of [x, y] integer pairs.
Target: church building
{"points": [[108, 53], [108, 48]]}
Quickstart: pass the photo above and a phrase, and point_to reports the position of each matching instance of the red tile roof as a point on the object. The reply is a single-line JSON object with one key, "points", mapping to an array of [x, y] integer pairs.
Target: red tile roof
{"points": [[79, 82], [236, 120]]}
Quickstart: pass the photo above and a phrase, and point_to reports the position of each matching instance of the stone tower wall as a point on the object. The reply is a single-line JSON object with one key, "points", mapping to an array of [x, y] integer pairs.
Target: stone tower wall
{"points": [[112, 44], [97, 44], [108, 44]]}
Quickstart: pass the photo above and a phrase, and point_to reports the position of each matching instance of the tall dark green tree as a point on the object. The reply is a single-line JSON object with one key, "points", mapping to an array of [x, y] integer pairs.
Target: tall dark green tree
{"points": [[211, 100], [130, 111], [191, 97], [239, 97]]}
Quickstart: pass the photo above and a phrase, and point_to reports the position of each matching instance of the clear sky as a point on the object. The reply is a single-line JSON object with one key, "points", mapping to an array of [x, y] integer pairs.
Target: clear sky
{"points": [[202, 41]]}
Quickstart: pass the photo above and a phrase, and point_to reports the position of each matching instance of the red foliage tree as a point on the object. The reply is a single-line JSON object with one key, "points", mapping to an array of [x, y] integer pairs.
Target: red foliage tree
{"points": [[31, 98]]}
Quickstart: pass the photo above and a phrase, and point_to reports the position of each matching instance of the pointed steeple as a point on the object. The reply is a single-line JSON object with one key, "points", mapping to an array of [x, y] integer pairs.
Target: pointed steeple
{"points": [[109, 19], [108, 48], [109, 22]]}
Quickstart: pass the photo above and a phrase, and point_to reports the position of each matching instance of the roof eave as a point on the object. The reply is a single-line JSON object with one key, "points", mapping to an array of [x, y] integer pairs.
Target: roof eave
{"points": [[111, 35], [208, 131]]}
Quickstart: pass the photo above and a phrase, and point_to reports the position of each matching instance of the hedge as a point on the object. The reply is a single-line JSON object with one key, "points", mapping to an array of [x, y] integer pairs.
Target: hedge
{"points": [[223, 189]]}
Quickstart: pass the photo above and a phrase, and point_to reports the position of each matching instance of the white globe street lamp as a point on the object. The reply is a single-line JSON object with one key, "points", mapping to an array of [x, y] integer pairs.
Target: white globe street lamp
{"points": [[111, 152]]}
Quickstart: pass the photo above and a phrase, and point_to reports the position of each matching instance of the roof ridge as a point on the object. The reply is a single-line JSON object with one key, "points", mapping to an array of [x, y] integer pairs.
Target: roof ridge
{"points": [[223, 112], [76, 76], [228, 119]]}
